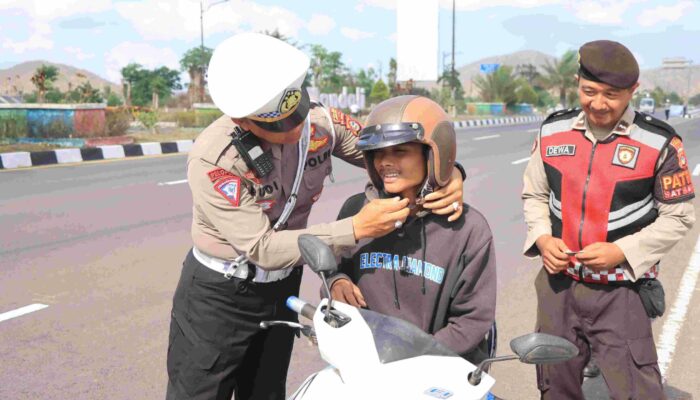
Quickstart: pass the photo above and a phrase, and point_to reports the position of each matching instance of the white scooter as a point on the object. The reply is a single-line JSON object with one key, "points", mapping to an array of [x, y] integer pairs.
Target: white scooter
{"points": [[374, 356]]}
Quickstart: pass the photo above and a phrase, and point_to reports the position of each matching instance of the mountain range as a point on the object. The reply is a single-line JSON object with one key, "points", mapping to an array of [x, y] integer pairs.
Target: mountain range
{"points": [[17, 79]]}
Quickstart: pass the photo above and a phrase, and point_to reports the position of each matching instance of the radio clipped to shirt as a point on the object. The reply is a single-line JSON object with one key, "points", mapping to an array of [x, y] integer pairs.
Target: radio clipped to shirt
{"points": [[248, 146]]}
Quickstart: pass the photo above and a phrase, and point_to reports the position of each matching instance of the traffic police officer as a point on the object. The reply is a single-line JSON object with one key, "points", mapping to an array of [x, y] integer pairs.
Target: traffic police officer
{"points": [[254, 175], [607, 193]]}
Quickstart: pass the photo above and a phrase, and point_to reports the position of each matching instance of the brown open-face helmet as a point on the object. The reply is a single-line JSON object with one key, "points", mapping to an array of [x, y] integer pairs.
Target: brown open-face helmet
{"points": [[406, 119]]}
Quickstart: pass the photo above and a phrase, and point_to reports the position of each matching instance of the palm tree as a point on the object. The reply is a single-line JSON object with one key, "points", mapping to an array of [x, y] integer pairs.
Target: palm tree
{"points": [[560, 75], [195, 62], [498, 86], [43, 79]]}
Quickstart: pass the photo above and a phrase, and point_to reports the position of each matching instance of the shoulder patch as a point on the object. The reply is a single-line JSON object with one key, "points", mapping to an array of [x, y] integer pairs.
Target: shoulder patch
{"points": [[350, 123], [219, 173], [317, 141], [561, 115], [230, 188]]}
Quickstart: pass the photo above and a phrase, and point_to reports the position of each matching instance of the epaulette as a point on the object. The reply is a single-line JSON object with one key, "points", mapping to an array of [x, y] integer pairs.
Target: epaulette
{"points": [[652, 124], [561, 115]]}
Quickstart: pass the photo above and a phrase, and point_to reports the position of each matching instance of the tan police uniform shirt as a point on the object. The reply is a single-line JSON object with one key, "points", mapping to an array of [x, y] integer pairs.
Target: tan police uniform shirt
{"points": [[642, 249], [233, 211]]}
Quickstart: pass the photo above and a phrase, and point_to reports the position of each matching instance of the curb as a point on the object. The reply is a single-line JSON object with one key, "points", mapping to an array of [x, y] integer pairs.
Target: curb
{"points": [[23, 159], [65, 156], [496, 121]]}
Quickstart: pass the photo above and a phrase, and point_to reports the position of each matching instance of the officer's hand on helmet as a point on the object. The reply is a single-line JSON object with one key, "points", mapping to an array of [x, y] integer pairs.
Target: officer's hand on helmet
{"points": [[601, 256], [347, 292], [379, 216], [442, 201], [553, 253]]}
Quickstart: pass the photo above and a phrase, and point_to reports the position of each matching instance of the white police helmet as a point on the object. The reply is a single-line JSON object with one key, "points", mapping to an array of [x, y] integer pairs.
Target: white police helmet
{"points": [[255, 76]]}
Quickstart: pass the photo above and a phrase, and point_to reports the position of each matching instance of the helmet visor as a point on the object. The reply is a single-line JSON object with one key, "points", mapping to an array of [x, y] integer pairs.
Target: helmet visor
{"points": [[292, 121], [380, 136]]}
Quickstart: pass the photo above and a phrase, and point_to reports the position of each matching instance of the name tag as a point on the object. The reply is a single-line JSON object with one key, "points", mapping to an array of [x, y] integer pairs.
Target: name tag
{"points": [[561, 150]]}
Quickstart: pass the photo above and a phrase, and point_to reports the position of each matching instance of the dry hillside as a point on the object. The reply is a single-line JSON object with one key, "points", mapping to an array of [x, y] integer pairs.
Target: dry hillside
{"points": [[17, 79]]}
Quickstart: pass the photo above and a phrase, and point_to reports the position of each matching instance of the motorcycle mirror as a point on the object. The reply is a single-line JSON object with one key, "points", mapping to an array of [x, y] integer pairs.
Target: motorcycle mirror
{"points": [[541, 348], [317, 254]]}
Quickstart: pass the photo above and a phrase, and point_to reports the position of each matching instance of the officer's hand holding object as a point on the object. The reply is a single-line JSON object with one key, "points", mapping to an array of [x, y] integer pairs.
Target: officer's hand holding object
{"points": [[347, 292], [601, 256], [377, 218], [553, 251], [440, 201]]}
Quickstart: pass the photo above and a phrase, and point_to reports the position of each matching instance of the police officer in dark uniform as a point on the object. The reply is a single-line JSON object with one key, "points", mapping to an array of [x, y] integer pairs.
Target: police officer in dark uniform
{"points": [[254, 174], [607, 193]]}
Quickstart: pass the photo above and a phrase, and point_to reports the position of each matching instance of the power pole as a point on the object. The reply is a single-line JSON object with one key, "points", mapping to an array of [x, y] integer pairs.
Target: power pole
{"points": [[453, 75]]}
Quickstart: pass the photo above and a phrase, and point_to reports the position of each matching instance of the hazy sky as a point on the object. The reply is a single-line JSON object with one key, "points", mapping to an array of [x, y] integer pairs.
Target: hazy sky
{"points": [[104, 35]]}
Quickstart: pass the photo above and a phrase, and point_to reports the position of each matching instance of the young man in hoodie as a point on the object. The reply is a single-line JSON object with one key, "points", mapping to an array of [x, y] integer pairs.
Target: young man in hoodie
{"points": [[436, 274]]}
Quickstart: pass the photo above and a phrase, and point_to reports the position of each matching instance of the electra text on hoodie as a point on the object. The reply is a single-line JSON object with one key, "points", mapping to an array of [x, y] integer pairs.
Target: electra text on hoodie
{"points": [[413, 266]]}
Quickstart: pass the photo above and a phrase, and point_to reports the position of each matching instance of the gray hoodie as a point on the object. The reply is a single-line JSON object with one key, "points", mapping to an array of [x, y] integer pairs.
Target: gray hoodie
{"points": [[438, 275]]}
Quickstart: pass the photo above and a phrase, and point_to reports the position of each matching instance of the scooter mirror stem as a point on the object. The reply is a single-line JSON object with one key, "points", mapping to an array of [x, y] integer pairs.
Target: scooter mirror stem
{"points": [[327, 318], [475, 376]]}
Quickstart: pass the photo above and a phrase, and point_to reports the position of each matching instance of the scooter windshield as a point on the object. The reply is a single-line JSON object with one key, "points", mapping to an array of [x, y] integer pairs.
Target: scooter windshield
{"points": [[397, 339]]}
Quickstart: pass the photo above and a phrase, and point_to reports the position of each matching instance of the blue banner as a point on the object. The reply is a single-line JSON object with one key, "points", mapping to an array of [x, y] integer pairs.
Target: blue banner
{"points": [[489, 68]]}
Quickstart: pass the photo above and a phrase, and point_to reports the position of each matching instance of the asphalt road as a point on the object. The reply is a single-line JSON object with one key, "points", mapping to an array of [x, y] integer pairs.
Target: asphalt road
{"points": [[101, 244]]}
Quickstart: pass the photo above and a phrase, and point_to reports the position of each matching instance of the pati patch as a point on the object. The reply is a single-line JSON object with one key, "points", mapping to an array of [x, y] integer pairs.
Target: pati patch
{"points": [[266, 204], [317, 141], [337, 116], [677, 144], [626, 156], [219, 173], [677, 185], [230, 188], [561, 150], [352, 125]]}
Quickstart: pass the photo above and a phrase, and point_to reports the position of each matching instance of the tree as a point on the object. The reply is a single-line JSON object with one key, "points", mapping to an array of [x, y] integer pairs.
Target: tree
{"points": [[451, 95], [695, 100], [391, 76], [88, 94], [526, 93], [43, 79], [365, 79], [498, 86], [327, 69], [380, 92], [195, 62], [560, 76], [149, 86], [528, 72]]}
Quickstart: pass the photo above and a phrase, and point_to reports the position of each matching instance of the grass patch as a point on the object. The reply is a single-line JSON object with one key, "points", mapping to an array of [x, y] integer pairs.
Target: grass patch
{"points": [[11, 148], [179, 134]]}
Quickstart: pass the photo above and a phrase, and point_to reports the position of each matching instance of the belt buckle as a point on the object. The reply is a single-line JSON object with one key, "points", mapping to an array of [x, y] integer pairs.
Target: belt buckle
{"points": [[235, 266]]}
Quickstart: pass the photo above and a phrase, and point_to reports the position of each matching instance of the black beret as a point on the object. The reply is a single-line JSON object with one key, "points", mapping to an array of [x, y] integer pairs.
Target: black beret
{"points": [[608, 62]]}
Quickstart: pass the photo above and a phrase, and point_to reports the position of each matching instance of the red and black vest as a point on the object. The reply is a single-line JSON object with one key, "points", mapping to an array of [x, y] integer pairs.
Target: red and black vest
{"points": [[600, 191]]}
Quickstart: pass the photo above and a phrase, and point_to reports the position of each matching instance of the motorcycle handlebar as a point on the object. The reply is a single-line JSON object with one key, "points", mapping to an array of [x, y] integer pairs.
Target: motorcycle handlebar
{"points": [[301, 307]]}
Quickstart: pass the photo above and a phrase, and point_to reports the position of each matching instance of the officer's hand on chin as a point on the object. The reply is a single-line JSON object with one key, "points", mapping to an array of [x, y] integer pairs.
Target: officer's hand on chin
{"points": [[601, 256], [441, 201], [552, 250], [379, 216], [347, 292]]}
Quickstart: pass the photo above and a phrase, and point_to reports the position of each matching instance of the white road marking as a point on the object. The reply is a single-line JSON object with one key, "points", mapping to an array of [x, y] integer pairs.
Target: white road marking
{"points": [[172, 182], [522, 160], [486, 137], [674, 323], [21, 311], [696, 171]]}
